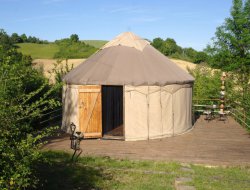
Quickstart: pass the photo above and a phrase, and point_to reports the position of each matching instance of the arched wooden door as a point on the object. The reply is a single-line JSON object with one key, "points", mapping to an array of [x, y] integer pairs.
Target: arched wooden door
{"points": [[90, 111]]}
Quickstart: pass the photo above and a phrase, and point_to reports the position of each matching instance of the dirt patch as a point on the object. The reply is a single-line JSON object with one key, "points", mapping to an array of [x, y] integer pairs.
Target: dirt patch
{"points": [[47, 66], [185, 65]]}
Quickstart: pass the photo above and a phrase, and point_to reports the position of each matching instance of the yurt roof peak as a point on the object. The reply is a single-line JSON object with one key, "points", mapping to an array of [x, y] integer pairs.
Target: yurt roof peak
{"points": [[128, 39], [128, 60]]}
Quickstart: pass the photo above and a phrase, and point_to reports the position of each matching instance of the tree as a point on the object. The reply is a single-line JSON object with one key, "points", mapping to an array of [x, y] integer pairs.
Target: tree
{"points": [[5, 41], [71, 47], [158, 43], [15, 38], [25, 95], [74, 38], [190, 52], [230, 50], [171, 47], [200, 57], [24, 37]]}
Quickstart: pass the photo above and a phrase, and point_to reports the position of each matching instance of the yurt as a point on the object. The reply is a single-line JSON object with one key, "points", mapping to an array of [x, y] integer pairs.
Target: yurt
{"points": [[128, 89]]}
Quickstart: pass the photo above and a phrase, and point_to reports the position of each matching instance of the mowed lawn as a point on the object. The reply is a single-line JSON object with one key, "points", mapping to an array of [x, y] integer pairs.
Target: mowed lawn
{"points": [[42, 51], [106, 173]]}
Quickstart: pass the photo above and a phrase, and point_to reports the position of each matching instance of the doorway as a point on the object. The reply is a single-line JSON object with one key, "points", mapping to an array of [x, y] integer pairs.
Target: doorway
{"points": [[112, 111]]}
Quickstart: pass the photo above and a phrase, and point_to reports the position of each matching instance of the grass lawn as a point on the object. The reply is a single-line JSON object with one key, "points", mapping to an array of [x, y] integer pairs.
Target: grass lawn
{"points": [[95, 43], [38, 51], [106, 173]]}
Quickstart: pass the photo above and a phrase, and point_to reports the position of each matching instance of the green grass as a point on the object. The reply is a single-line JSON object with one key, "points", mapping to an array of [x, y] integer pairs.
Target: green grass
{"points": [[47, 51], [38, 51], [95, 43], [106, 173]]}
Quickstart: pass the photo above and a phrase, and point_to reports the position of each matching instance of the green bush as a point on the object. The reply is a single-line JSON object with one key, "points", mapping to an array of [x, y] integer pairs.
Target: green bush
{"points": [[70, 48], [207, 82], [170, 48], [24, 96]]}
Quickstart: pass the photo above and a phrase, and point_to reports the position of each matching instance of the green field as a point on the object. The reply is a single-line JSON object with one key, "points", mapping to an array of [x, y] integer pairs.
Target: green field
{"points": [[106, 173], [38, 51], [95, 43], [47, 51]]}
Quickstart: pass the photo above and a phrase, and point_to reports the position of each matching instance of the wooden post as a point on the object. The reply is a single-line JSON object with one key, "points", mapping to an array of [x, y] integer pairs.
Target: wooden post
{"points": [[222, 92]]}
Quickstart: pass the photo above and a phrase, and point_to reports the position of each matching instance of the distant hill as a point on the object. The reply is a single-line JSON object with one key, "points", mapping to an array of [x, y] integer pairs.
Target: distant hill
{"points": [[47, 51], [95, 43], [38, 51]]}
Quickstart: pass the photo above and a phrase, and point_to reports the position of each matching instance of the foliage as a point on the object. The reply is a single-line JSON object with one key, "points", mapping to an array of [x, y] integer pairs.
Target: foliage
{"points": [[207, 82], [170, 48], [74, 38], [73, 48], [60, 71], [230, 51], [24, 96], [15, 38]]}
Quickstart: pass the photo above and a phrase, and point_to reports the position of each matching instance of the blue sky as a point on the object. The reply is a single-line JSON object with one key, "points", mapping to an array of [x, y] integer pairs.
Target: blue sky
{"points": [[192, 23]]}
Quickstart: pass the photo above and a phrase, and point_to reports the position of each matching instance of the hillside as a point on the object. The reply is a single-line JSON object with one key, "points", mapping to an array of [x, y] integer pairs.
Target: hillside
{"points": [[184, 64], [38, 51], [95, 43], [48, 65], [47, 51]]}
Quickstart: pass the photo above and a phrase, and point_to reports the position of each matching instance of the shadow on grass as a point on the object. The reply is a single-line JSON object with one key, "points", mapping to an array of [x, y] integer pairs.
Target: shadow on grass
{"points": [[61, 173]]}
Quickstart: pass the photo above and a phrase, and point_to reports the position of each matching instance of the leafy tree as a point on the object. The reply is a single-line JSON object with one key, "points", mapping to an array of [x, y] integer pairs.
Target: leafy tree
{"points": [[24, 96], [207, 82], [200, 57], [24, 37], [74, 38], [73, 48], [15, 38], [230, 50], [5, 41], [190, 52], [33, 39], [158, 43], [171, 47]]}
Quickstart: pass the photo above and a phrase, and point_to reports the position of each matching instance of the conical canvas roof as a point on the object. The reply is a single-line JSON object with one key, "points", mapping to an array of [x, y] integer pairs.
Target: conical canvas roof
{"points": [[128, 60]]}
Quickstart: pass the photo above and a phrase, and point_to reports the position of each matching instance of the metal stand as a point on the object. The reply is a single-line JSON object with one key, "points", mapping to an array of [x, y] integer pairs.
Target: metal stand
{"points": [[75, 139]]}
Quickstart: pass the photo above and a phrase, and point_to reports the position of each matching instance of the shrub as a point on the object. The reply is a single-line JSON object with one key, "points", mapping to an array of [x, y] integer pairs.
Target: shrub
{"points": [[24, 96]]}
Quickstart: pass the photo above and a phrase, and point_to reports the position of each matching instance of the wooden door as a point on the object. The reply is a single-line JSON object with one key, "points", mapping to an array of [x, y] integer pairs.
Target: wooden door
{"points": [[90, 111]]}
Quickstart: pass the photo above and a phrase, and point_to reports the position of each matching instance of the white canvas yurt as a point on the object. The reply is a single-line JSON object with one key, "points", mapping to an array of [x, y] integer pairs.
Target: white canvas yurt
{"points": [[128, 89]]}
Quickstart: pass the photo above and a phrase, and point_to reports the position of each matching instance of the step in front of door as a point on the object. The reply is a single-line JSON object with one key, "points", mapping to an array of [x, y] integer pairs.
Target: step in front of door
{"points": [[92, 135]]}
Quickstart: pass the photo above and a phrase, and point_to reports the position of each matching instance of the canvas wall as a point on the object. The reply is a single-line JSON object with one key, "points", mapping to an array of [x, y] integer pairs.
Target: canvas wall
{"points": [[155, 112], [70, 107]]}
